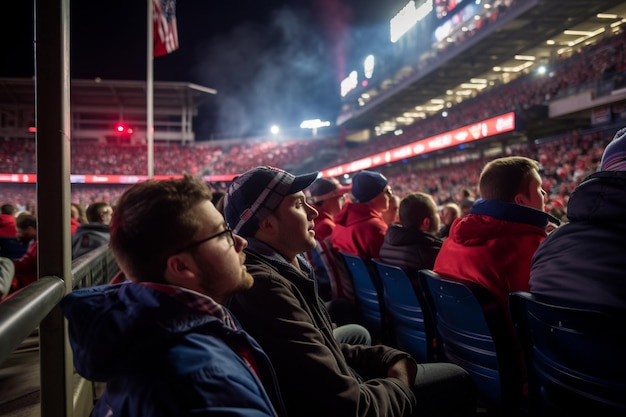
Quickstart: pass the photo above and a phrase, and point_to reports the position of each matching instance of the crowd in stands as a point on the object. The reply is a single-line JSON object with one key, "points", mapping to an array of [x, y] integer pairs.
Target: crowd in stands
{"points": [[567, 76], [564, 160]]}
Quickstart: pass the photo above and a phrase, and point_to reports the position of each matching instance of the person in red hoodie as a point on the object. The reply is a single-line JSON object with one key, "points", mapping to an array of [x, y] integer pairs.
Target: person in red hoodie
{"points": [[7, 221], [359, 227], [26, 266]]}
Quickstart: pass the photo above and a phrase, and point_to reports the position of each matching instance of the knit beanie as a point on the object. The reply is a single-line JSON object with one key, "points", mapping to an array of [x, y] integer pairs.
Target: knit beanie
{"points": [[614, 157], [366, 185]]}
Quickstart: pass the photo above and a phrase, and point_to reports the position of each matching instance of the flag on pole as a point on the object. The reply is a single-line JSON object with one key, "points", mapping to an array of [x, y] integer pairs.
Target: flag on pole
{"points": [[165, 31]]}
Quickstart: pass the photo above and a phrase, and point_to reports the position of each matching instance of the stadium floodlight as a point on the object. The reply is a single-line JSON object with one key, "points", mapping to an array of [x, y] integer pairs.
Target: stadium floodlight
{"points": [[314, 124]]}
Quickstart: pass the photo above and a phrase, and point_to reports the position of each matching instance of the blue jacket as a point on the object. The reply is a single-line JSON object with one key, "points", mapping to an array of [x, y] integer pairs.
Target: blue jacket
{"points": [[159, 357]]}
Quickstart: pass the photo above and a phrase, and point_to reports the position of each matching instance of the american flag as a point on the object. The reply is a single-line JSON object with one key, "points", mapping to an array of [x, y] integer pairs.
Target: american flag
{"points": [[165, 31]]}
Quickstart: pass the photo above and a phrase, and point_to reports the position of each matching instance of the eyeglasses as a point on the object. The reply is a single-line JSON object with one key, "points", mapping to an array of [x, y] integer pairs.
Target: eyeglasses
{"points": [[201, 241]]}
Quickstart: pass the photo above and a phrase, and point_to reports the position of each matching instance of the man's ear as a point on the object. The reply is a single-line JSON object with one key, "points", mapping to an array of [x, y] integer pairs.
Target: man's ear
{"points": [[267, 224], [178, 271], [425, 224], [520, 199]]}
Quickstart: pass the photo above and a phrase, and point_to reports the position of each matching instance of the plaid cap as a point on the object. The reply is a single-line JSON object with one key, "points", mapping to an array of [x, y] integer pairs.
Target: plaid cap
{"points": [[257, 193]]}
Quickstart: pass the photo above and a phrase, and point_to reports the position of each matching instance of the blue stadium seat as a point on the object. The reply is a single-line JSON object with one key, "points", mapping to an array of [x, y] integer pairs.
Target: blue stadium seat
{"points": [[411, 328], [473, 332], [575, 356], [367, 293]]}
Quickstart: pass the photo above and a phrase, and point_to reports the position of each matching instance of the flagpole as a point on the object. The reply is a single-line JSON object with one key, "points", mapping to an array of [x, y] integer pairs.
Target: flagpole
{"points": [[150, 91]]}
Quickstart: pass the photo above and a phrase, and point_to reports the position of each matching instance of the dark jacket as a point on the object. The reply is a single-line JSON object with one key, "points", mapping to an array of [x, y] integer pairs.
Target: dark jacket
{"points": [[584, 261], [89, 237], [284, 314], [160, 357], [411, 250]]}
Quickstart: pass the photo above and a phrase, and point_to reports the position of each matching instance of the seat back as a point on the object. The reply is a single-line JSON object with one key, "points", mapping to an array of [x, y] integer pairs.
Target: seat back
{"points": [[411, 329], [367, 294], [473, 332], [575, 356], [12, 248], [343, 278], [320, 255]]}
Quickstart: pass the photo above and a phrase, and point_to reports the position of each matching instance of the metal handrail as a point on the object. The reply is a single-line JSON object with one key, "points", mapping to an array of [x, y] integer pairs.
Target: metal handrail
{"points": [[21, 313]]}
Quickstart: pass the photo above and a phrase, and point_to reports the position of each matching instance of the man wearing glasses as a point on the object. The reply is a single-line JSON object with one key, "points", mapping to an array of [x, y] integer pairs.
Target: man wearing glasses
{"points": [[163, 342]]}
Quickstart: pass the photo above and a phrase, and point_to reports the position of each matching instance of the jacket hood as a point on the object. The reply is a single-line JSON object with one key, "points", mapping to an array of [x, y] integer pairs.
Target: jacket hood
{"points": [[115, 327], [355, 213], [599, 197], [491, 219]]}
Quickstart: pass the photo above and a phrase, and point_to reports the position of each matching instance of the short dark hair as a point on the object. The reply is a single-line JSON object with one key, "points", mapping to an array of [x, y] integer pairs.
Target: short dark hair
{"points": [[94, 211], [503, 178], [414, 208], [8, 209], [151, 221], [25, 220]]}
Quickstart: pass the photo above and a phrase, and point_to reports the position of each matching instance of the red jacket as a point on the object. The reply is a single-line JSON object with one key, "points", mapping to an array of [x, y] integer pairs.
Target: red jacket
{"points": [[493, 245], [359, 230], [7, 225], [73, 226], [25, 268]]}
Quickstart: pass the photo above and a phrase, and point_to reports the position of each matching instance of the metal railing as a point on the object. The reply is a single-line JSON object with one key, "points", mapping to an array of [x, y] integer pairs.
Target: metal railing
{"points": [[22, 313]]}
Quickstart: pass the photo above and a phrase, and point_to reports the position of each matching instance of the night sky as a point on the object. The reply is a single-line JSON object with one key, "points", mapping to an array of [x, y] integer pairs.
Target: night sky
{"points": [[271, 61]]}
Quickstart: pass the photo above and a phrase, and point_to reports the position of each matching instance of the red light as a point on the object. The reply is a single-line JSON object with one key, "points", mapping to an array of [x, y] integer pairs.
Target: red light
{"points": [[32, 129], [122, 129]]}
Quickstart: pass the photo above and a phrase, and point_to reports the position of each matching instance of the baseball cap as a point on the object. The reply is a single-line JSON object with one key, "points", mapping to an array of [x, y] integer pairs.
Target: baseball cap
{"points": [[257, 193], [325, 188], [368, 184]]}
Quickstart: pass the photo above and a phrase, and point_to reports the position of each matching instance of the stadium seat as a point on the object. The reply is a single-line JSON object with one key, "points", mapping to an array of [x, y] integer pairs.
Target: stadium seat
{"points": [[473, 332], [575, 356], [345, 286], [411, 328], [368, 295]]}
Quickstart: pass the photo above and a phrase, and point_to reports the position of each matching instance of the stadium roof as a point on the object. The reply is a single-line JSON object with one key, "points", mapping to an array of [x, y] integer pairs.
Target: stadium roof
{"points": [[525, 31], [112, 94]]}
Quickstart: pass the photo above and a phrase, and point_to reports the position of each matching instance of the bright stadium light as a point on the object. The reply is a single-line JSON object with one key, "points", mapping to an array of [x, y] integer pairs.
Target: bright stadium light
{"points": [[314, 124]]}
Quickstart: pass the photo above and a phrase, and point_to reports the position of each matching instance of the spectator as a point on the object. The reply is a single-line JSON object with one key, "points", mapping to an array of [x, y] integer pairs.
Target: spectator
{"points": [[328, 197], [412, 244], [449, 213], [494, 243], [79, 213], [26, 266], [466, 201], [7, 221], [583, 261], [360, 229], [95, 233], [163, 343], [282, 310], [390, 216], [7, 270]]}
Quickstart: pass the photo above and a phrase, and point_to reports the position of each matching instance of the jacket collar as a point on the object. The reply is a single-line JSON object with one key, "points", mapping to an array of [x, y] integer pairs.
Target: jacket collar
{"points": [[513, 212]]}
